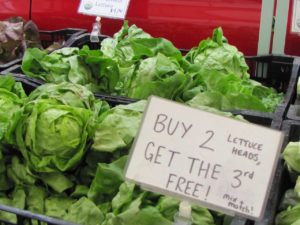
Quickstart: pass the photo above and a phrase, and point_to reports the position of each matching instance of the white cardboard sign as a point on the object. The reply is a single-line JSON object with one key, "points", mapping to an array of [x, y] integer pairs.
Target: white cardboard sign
{"points": [[214, 161], [105, 8], [296, 17]]}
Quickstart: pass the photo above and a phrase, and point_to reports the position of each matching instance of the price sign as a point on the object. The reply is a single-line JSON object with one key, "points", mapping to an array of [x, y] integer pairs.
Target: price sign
{"points": [[104, 8], [296, 17], [211, 160]]}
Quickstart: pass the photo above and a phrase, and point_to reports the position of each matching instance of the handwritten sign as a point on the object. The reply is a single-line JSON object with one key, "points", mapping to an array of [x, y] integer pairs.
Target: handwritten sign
{"points": [[214, 161], [296, 17], [105, 8]]}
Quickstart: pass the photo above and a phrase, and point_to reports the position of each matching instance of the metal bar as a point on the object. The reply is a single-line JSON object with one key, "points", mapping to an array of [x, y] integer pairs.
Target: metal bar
{"points": [[282, 12], [35, 216], [265, 30]]}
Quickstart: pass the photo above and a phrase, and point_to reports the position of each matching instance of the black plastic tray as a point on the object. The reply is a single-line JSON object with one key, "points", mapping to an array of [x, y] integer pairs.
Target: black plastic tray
{"points": [[277, 184], [16, 72], [294, 112], [28, 86], [292, 133], [294, 109], [47, 38], [24, 216], [279, 72], [84, 39]]}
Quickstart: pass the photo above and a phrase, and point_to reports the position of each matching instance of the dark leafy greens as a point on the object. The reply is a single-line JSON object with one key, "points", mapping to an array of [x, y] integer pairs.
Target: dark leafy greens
{"points": [[15, 36]]}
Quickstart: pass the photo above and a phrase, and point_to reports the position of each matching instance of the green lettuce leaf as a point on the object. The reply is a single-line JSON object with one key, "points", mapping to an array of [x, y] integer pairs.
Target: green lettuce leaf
{"points": [[66, 94], [64, 65], [124, 197], [158, 75], [291, 155], [131, 44], [117, 127], [20, 173], [168, 207], [289, 216], [58, 205], [107, 180], [57, 181], [104, 69], [35, 199], [12, 98], [229, 92], [85, 212], [16, 200]]}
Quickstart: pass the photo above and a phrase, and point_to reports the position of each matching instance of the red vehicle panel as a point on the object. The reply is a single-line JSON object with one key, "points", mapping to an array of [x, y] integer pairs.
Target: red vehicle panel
{"points": [[184, 22], [10, 8]]}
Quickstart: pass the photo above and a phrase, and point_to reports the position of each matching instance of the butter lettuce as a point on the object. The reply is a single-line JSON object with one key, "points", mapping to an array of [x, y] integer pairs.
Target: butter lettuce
{"points": [[131, 44], [44, 136], [217, 54], [291, 155]]}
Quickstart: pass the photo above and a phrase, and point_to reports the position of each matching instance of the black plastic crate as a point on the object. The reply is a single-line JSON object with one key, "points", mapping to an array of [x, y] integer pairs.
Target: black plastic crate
{"points": [[48, 38], [16, 71], [294, 112], [63, 35], [85, 39], [23, 215], [28, 86], [279, 72], [282, 180], [294, 109]]}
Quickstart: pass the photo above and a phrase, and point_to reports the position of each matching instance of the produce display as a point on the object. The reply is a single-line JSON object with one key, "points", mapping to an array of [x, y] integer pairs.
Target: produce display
{"points": [[290, 205], [136, 65], [63, 154], [63, 151]]}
